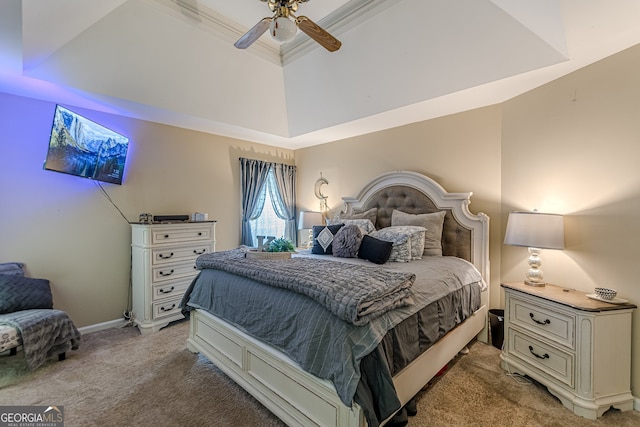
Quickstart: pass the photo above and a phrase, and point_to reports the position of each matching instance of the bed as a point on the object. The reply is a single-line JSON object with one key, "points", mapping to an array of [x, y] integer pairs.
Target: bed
{"points": [[293, 389]]}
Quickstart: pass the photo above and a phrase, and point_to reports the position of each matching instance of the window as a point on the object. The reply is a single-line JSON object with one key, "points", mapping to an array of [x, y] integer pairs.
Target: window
{"points": [[268, 200], [268, 223]]}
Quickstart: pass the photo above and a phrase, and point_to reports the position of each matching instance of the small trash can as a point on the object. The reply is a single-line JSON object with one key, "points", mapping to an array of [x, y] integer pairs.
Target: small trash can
{"points": [[496, 321]]}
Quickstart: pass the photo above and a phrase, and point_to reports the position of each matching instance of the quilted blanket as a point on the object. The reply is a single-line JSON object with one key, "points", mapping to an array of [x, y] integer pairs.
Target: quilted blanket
{"points": [[44, 333], [355, 294]]}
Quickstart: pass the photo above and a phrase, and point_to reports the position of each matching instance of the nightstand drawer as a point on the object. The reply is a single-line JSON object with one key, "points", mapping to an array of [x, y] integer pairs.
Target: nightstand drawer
{"points": [[549, 360], [176, 254], [543, 320]]}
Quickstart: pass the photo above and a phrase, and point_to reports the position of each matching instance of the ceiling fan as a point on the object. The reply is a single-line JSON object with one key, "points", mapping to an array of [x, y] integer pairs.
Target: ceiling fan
{"points": [[282, 26]]}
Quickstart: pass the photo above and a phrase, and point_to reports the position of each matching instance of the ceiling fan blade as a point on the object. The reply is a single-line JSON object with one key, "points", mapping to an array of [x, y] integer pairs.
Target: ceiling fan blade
{"points": [[253, 34], [314, 31]]}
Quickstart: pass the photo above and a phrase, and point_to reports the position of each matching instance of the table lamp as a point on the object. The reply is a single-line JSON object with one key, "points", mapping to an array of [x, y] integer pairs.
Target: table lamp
{"points": [[307, 220], [535, 231]]}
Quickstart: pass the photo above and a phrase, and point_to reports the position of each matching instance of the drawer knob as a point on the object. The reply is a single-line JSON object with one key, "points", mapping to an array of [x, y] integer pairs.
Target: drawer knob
{"points": [[168, 309], [166, 236], [162, 291], [162, 273], [200, 233], [544, 356], [199, 253], [163, 256], [539, 322]]}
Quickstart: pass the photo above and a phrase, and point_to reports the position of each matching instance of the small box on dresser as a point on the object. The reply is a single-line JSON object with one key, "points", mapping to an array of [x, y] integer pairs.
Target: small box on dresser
{"points": [[578, 347], [163, 266]]}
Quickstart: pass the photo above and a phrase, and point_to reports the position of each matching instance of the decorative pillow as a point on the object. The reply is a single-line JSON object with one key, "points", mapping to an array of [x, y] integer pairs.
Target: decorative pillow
{"points": [[365, 224], [323, 238], [433, 222], [375, 250], [15, 268], [417, 234], [347, 241], [370, 214], [401, 240], [23, 293]]}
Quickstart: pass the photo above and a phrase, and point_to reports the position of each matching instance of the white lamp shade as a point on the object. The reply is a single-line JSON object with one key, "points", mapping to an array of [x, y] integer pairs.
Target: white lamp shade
{"points": [[535, 230], [282, 29], [308, 219]]}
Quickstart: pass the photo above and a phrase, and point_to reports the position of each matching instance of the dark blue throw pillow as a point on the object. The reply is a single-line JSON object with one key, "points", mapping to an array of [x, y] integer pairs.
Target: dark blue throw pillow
{"points": [[375, 250], [323, 238], [23, 293]]}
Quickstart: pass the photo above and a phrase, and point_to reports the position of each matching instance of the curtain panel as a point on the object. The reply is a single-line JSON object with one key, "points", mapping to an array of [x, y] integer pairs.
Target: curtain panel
{"points": [[253, 178]]}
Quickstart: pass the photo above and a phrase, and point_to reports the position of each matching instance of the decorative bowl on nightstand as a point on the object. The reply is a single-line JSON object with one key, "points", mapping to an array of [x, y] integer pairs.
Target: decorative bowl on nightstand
{"points": [[606, 293]]}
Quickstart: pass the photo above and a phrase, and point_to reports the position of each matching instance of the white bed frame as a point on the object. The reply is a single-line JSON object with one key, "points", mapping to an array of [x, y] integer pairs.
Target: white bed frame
{"points": [[301, 399]]}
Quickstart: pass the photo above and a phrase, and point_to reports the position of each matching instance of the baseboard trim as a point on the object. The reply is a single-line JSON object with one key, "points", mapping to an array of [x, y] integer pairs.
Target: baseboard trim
{"points": [[118, 323], [636, 404]]}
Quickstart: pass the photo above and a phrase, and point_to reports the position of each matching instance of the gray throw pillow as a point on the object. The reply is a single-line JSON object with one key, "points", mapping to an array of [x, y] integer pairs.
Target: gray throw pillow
{"points": [[370, 214], [16, 268], [433, 222], [19, 293], [347, 241]]}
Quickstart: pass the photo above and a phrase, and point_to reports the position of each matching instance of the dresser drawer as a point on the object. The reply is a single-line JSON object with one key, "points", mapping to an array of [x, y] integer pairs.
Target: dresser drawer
{"points": [[548, 359], [170, 290], [191, 233], [160, 256], [543, 320], [166, 308], [172, 272]]}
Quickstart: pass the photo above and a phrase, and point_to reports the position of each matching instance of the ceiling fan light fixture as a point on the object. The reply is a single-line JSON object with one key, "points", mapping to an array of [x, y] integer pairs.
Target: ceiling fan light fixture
{"points": [[282, 29]]}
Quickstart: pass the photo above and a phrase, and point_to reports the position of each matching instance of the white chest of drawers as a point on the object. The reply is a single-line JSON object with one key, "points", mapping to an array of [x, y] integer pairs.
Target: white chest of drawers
{"points": [[163, 257], [578, 347]]}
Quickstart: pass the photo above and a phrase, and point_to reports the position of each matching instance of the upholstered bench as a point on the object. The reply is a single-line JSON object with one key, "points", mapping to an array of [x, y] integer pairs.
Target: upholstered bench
{"points": [[27, 318]]}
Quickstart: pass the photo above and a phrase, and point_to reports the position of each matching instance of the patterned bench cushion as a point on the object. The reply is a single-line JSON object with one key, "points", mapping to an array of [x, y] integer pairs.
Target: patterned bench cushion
{"points": [[9, 338]]}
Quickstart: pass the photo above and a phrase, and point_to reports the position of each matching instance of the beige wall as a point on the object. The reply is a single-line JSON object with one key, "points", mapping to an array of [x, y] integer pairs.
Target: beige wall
{"points": [[65, 230], [572, 147], [461, 152]]}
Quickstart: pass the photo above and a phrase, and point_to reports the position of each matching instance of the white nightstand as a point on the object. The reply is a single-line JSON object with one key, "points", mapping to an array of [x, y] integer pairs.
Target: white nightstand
{"points": [[578, 347]]}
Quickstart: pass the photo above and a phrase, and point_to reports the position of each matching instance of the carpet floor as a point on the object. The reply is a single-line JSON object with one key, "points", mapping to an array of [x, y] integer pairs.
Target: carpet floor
{"points": [[119, 377]]}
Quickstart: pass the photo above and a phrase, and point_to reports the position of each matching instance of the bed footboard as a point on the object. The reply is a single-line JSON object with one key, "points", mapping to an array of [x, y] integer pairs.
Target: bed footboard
{"points": [[297, 397], [293, 395]]}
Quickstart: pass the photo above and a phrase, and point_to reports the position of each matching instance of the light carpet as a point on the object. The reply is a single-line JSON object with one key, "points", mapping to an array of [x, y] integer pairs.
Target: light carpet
{"points": [[119, 377]]}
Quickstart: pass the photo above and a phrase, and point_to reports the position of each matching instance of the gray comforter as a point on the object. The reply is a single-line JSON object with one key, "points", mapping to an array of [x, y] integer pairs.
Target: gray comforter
{"points": [[43, 332], [354, 294], [320, 342]]}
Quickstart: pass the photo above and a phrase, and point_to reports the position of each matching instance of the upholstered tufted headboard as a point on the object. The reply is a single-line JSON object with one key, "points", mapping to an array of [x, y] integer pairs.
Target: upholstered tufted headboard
{"points": [[456, 239], [464, 235]]}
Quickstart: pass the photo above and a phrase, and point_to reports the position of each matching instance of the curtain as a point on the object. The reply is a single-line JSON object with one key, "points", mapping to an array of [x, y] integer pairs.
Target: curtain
{"points": [[253, 176], [285, 180]]}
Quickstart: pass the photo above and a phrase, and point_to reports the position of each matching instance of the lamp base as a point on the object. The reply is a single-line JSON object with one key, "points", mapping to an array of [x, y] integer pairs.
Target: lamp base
{"points": [[536, 284]]}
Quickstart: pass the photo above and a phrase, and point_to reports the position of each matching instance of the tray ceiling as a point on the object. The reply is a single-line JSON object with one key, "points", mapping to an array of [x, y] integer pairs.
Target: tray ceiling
{"points": [[173, 61]]}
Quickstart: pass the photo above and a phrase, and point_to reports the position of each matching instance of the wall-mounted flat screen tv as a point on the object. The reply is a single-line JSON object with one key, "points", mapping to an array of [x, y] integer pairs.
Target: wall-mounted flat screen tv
{"points": [[79, 146]]}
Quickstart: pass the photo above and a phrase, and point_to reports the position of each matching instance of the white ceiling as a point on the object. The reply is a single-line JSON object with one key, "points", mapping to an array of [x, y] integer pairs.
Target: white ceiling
{"points": [[401, 61]]}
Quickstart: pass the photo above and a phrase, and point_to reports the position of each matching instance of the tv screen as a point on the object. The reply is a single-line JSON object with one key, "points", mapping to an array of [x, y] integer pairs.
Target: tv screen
{"points": [[79, 146]]}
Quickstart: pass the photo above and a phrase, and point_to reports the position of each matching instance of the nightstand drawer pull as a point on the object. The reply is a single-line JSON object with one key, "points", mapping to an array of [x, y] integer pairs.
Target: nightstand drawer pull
{"points": [[544, 356], [162, 273], [162, 291], [168, 309], [200, 252], [545, 322], [163, 256]]}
